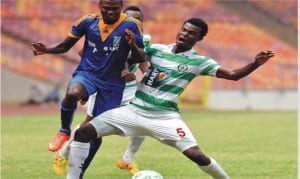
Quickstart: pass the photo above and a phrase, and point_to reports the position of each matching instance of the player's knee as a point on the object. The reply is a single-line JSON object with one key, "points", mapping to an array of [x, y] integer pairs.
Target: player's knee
{"points": [[75, 92], [85, 133], [72, 97]]}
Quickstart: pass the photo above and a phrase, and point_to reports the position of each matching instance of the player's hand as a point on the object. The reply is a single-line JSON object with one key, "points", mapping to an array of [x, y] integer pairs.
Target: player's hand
{"points": [[82, 102], [263, 57], [130, 37], [38, 48], [127, 75]]}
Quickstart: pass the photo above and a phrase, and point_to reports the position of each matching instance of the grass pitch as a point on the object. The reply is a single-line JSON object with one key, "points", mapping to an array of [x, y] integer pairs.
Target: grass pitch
{"points": [[248, 145]]}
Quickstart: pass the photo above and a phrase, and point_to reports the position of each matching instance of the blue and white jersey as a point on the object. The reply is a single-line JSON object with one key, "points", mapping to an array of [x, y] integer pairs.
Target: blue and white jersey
{"points": [[105, 48]]}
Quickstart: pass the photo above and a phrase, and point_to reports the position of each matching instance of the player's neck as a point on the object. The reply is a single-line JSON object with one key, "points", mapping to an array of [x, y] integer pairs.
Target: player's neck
{"points": [[177, 49]]}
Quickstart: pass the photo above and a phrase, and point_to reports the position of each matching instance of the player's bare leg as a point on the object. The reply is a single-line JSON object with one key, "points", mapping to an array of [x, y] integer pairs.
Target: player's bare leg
{"points": [[207, 164]]}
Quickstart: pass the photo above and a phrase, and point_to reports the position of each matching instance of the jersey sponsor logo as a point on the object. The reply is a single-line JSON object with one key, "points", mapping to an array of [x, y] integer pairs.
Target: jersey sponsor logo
{"points": [[182, 67], [115, 46], [156, 77]]}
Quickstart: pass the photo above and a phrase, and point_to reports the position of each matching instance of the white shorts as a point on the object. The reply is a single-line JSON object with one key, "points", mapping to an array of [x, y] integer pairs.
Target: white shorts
{"points": [[128, 94], [167, 127]]}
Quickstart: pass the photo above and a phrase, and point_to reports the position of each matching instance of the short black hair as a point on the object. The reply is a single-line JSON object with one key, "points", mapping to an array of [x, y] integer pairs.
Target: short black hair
{"points": [[134, 8], [121, 1], [199, 23]]}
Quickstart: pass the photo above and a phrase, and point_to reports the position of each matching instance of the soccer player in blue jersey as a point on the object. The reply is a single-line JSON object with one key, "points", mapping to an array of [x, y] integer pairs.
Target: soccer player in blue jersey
{"points": [[154, 110], [109, 36], [61, 157]]}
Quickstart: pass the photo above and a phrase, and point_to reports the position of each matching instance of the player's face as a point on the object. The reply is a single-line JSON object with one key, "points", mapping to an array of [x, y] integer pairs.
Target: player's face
{"points": [[135, 14], [188, 35], [110, 10]]}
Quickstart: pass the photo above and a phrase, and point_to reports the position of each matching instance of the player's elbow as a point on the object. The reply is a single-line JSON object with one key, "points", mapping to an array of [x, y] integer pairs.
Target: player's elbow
{"points": [[229, 76], [235, 78]]}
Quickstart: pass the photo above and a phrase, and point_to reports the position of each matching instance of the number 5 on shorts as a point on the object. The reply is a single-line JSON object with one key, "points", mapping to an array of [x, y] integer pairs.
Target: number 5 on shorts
{"points": [[180, 132]]}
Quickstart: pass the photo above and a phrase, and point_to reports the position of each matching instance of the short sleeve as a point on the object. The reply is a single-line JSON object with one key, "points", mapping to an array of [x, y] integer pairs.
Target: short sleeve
{"points": [[79, 27]]}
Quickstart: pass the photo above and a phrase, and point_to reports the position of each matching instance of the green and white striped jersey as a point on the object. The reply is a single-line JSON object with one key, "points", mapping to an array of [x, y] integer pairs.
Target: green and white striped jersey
{"points": [[168, 76]]}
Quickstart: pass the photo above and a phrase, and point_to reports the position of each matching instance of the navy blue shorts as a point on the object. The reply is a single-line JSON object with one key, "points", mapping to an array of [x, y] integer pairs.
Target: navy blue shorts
{"points": [[109, 95]]}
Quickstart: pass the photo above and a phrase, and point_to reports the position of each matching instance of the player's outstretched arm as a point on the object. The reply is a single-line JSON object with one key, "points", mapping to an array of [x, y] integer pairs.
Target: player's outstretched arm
{"points": [[62, 47], [239, 73]]}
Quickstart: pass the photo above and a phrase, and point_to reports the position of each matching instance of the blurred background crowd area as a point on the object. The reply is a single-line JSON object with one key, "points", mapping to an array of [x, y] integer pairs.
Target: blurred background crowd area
{"points": [[238, 30]]}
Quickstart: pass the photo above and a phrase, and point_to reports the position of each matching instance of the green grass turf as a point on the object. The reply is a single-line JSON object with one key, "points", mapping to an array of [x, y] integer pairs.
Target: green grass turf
{"points": [[252, 145]]}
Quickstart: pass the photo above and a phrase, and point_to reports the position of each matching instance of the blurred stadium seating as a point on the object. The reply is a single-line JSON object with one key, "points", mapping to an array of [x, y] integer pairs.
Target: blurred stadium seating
{"points": [[17, 56], [283, 12], [231, 41]]}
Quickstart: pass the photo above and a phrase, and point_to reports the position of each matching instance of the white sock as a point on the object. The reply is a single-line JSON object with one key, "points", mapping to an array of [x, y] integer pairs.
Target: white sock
{"points": [[215, 170], [64, 151], [135, 143], [78, 153]]}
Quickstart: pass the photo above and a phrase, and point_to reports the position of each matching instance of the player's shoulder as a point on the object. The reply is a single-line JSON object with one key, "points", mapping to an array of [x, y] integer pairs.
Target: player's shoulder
{"points": [[159, 46], [132, 19], [147, 36], [91, 16], [195, 55], [156, 49], [87, 17], [201, 58]]}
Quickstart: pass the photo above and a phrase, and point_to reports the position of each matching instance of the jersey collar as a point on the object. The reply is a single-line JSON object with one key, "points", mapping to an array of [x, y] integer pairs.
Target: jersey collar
{"points": [[107, 29], [185, 53]]}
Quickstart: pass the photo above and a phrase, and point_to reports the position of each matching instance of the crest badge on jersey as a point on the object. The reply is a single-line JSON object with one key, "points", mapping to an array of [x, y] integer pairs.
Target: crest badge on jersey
{"points": [[182, 68], [116, 42]]}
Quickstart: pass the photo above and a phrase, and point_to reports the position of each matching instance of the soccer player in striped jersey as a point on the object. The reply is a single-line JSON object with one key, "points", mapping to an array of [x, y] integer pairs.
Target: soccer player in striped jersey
{"points": [[154, 111], [60, 160]]}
